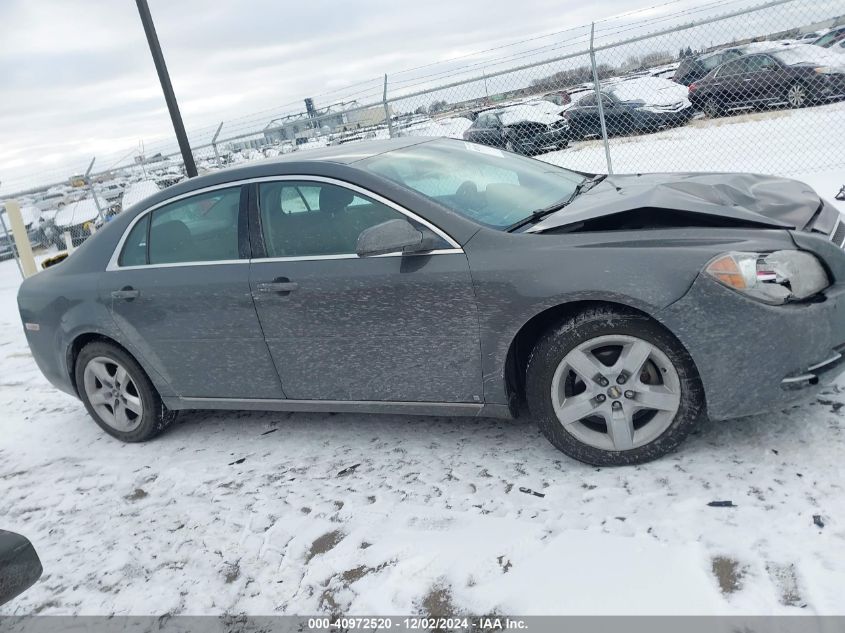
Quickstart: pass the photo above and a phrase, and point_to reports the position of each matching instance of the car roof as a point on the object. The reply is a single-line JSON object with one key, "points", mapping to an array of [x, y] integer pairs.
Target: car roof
{"points": [[306, 161], [344, 154]]}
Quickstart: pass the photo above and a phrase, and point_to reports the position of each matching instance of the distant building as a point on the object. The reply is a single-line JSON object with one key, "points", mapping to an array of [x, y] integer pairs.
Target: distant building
{"points": [[338, 117]]}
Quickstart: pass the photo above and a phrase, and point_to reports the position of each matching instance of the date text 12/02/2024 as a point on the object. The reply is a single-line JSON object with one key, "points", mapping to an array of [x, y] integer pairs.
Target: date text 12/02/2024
{"points": [[417, 623]]}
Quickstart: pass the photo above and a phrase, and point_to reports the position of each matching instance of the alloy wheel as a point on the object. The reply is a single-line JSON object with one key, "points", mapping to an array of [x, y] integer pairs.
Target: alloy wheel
{"points": [[711, 108], [616, 392], [796, 96], [113, 393]]}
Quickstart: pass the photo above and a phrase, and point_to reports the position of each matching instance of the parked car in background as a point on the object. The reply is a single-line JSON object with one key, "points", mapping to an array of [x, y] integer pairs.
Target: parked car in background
{"points": [[795, 76], [642, 104], [527, 128], [31, 216], [809, 38], [7, 246], [666, 71], [77, 218], [138, 191], [558, 97], [833, 39], [51, 199], [109, 191], [694, 68]]}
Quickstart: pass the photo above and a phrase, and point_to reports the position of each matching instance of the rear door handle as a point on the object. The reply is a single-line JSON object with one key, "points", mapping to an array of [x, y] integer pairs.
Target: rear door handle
{"points": [[128, 293], [282, 285]]}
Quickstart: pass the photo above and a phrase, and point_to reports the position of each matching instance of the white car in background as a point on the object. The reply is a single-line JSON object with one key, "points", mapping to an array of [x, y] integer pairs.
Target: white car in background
{"points": [[31, 216], [137, 191], [630, 106], [78, 218]]}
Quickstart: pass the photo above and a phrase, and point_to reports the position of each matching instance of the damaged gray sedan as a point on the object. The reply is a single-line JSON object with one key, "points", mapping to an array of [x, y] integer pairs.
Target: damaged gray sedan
{"points": [[433, 276]]}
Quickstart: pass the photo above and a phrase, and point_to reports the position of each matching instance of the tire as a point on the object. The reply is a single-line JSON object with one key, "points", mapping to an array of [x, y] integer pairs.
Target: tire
{"points": [[712, 108], [145, 416], [666, 377]]}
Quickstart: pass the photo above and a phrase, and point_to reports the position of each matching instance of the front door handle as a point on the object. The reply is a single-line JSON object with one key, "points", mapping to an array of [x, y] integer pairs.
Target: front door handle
{"points": [[127, 293], [281, 285]]}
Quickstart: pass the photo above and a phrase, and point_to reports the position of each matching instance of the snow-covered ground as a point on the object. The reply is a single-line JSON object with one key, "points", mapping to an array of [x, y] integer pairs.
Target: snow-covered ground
{"points": [[782, 142], [304, 513]]}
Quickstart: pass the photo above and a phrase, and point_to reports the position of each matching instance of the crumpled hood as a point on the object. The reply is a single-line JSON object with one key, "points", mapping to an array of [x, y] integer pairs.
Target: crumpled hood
{"points": [[767, 201]]}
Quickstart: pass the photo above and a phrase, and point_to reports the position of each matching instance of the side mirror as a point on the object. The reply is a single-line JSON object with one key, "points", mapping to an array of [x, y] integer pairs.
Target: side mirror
{"points": [[393, 236], [19, 565]]}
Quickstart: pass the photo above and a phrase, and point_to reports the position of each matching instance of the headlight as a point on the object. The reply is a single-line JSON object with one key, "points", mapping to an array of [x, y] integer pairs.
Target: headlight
{"points": [[770, 277], [829, 70]]}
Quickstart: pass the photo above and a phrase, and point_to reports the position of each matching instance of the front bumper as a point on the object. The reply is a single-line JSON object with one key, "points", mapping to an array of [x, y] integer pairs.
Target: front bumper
{"points": [[546, 141], [78, 232], [651, 121], [754, 357], [831, 86]]}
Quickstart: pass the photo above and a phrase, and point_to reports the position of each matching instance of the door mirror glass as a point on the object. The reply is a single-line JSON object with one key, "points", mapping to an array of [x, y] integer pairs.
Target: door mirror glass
{"points": [[393, 236], [19, 565]]}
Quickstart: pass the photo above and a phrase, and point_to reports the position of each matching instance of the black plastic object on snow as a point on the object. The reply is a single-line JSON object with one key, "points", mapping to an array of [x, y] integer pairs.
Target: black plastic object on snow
{"points": [[19, 565]]}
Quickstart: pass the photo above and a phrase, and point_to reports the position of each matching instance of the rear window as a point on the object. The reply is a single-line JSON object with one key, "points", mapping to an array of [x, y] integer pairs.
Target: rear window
{"points": [[135, 249], [202, 228]]}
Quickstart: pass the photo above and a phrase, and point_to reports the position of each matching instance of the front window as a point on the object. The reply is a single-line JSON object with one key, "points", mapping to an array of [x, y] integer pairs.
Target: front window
{"points": [[494, 188], [732, 68], [761, 62], [313, 219], [487, 121], [589, 100]]}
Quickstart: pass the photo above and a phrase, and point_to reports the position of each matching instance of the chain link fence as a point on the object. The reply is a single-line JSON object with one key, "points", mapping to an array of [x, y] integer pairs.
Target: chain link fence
{"points": [[726, 85]]}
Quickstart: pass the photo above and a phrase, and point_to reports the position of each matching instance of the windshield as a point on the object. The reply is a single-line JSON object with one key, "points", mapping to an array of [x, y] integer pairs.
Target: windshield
{"points": [[807, 54], [828, 38], [709, 63], [487, 185]]}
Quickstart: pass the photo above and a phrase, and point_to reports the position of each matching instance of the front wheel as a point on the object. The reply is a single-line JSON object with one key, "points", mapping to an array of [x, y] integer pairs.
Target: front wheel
{"points": [[118, 394], [797, 95], [611, 387]]}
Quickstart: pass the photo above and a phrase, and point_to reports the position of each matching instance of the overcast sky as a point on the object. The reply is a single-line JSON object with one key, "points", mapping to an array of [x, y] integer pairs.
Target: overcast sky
{"points": [[79, 80]]}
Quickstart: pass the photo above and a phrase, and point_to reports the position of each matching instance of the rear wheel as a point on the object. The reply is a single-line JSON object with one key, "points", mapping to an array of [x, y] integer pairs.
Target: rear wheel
{"points": [[118, 394], [611, 387], [712, 108]]}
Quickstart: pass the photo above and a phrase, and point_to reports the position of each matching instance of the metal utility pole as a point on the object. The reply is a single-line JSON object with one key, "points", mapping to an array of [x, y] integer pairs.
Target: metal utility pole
{"points": [[387, 110], [214, 144], [90, 185], [599, 100], [167, 87]]}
